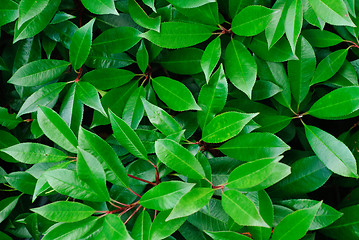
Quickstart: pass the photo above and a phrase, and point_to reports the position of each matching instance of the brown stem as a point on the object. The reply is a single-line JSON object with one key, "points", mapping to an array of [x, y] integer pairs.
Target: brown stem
{"points": [[128, 219]]}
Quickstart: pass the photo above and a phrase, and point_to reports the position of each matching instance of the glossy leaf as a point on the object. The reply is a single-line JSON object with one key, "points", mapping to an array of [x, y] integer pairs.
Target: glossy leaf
{"points": [[6, 206], [161, 228], [88, 95], [165, 195], [142, 57], [140, 17], [8, 120], [252, 20], [276, 28], [134, 110], [240, 67], [333, 153], [21, 181], [210, 58], [39, 72], [191, 4], [62, 211], [8, 12], [227, 235], [225, 126], [293, 23], [178, 158], [321, 38], [104, 79], [174, 93], [141, 228], [81, 44], [109, 230], [100, 6]]}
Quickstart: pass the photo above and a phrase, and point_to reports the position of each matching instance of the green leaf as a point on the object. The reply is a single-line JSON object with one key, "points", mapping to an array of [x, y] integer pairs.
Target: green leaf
{"points": [[251, 174], [6, 206], [241, 209], [329, 66], [134, 110], [45, 96], [186, 61], [179, 34], [210, 57], [39, 72], [108, 78], [333, 153], [127, 137], [30, 8], [226, 126], [8, 12], [338, 103], [140, 17], [321, 38], [161, 228], [264, 89], [207, 14], [332, 12], [189, 4], [55, 128], [276, 28], [191, 202], [62, 211], [293, 23], [102, 151], [301, 71], [150, 3], [39, 20], [226, 235], [10, 121], [253, 146], [178, 158], [252, 20], [89, 170], [212, 97], [165, 195], [81, 44], [175, 94], [311, 17], [68, 183], [142, 226], [116, 40], [113, 228], [161, 119], [240, 67], [22, 181], [88, 95], [32, 153], [100, 6], [142, 57], [295, 225]]}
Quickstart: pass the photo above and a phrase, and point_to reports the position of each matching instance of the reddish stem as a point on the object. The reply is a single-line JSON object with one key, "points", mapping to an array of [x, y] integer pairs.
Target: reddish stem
{"points": [[78, 75], [138, 195], [140, 179], [128, 219], [113, 200]]}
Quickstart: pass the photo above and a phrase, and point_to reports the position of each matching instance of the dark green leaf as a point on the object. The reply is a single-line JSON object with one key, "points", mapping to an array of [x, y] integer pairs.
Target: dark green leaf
{"points": [[134, 110], [8, 12], [8, 120], [321, 38], [100, 6], [140, 17], [141, 228], [22, 181], [142, 57], [88, 95], [104, 79], [6, 206]]}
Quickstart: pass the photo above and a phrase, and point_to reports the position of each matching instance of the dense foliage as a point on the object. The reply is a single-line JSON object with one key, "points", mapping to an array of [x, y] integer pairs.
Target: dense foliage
{"points": [[179, 119]]}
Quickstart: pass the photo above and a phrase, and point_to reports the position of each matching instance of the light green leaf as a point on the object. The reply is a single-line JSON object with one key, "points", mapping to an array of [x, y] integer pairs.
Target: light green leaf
{"points": [[113, 228], [165, 195], [253, 146], [6, 206], [241, 209], [333, 153], [22, 181], [161, 228], [225, 126], [38, 72], [252, 20], [210, 58], [179, 34], [142, 226], [133, 111], [30, 8], [108, 78], [140, 17], [189, 4], [293, 23], [175, 94], [127, 137], [240, 67], [81, 44], [63, 211], [8, 12], [226, 235], [321, 38], [100, 6], [276, 28], [178, 158], [191, 202], [88, 95], [45, 96], [32, 153]]}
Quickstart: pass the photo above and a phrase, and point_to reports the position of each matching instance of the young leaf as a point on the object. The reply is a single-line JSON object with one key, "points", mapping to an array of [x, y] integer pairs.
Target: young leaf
{"points": [[88, 95], [329, 66], [55, 128], [178, 158], [295, 225], [294, 22], [105, 79], [161, 228], [210, 57], [191, 202], [175, 94], [140, 17], [225, 126], [165, 195], [338, 103], [241, 209], [142, 57], [127, 137], [32, 153], [179, 34], [333, 153], [100, 6], [102, 151], [38, 72], [253, 146], [9, 11], [252, 20], [81, 44], [45, 96], [161, 119], [142, 226], [63, 211], [89, 170]]}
